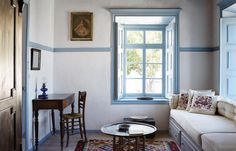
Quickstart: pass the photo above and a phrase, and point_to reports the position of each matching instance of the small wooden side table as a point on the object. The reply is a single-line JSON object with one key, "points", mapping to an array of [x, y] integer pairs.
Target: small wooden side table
{"points": [[54, 101]]}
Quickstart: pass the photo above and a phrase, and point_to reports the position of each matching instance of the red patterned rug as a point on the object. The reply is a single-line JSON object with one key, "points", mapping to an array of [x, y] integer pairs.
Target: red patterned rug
{"points": [[106, 145]]}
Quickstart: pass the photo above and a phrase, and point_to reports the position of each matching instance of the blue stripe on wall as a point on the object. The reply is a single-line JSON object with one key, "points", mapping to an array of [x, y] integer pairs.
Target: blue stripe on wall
{"points": [[40, 46], [108, 49], [97, 49], [198, 49]]}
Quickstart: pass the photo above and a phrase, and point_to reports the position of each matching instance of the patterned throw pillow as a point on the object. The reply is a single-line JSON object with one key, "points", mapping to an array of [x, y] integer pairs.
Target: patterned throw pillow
{"points": [[203, 104], [183, 101], [197, 92]]}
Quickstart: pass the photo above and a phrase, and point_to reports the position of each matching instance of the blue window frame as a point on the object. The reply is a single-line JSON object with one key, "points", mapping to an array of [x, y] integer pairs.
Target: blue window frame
{"points": [[118, 76]]}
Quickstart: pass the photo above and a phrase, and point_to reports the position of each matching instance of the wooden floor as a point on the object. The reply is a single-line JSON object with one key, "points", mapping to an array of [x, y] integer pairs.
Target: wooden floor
{"points": [[53, 143]]}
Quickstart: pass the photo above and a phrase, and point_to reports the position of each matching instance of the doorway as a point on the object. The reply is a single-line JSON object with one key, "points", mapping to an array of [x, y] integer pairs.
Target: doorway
{"points": [[228, 52]]}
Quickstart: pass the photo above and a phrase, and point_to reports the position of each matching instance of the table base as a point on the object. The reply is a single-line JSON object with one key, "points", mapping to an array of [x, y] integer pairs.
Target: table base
{"points": [[132, 143]]}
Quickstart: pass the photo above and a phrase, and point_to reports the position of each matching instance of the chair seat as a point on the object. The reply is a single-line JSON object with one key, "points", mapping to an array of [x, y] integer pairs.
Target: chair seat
{"points": [[72, 115]]}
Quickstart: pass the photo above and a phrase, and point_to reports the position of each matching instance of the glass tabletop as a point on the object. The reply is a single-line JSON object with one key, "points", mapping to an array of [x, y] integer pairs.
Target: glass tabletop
{"points": [[135, 129]]}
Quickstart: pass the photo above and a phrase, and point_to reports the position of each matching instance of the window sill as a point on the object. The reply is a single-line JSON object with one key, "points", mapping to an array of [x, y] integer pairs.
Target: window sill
{"points": [[136, 101]]}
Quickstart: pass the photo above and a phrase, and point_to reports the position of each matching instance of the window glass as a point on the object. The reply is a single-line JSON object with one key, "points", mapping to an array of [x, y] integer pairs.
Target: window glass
{"points": [[153, 37], [133, 85], [135, 37], [134, 55], [154, 55], [154, 86], [154, 70], [134, 70]]}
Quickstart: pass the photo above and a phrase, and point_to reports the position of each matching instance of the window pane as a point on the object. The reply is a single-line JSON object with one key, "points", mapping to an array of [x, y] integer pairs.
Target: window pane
{"points": [[133, 85], [134, 70], [154, 55], [153, 37], [134, 55], [135, 37], [153, 86], [154, 70]]}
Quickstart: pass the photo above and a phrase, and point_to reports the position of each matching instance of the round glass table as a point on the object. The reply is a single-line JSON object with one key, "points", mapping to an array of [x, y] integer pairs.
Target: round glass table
{"points": [[128, 135]]}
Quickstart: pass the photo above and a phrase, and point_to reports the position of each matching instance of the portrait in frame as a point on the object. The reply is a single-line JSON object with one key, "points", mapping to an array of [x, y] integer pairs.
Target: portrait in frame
{"points": [[35, 59], [81, 26]]}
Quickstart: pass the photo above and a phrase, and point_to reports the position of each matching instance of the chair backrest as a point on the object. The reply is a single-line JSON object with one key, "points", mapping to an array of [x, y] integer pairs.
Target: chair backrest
{"points": [[81, 101]]}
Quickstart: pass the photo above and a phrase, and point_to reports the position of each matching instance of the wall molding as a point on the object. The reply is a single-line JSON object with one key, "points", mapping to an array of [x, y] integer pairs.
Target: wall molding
{"points": [[109, 49], [199, 49], [87, 49], [40, 46]]}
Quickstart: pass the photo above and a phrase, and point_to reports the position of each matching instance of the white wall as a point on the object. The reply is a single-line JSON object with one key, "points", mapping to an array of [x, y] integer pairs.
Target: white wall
{"points": [[91, 71], [216, 43], [196, 23], [42, 22], [41, 27], [196, 71]]}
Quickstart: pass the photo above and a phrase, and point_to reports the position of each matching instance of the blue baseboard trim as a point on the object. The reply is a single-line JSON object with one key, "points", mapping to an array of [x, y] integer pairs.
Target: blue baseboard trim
{"points": [[43, 140], [40, 46], [199, 49]]}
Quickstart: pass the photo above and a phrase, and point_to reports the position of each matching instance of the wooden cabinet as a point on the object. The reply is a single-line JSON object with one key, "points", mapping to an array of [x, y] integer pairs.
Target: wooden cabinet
{"points": [[181, 137], [175, 132], [186, 144], [10, 74]]}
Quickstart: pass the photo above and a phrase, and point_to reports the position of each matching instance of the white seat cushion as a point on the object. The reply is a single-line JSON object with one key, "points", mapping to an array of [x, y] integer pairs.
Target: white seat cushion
{"points": [[219, 142], [197, 124]]}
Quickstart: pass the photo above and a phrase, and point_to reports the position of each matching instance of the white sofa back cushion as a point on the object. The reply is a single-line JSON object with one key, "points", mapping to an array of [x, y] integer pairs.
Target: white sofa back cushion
{"points": [[173, 101], [227, 108]]}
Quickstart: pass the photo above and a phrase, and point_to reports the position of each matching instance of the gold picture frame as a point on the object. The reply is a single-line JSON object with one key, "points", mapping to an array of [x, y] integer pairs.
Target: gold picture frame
{"points": [[81, 26]]}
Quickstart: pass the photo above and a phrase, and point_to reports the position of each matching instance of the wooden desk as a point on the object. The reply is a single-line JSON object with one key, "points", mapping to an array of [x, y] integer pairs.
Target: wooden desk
{"points": [[54, 101]]}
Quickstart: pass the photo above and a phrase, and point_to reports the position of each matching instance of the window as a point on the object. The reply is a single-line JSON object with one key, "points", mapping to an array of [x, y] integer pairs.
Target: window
{"points": [[143, 62], [145, 55]]}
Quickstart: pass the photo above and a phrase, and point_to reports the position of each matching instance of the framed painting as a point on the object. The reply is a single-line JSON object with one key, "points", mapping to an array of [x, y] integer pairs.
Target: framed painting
{"points": [[81, 26], [35, 59]]}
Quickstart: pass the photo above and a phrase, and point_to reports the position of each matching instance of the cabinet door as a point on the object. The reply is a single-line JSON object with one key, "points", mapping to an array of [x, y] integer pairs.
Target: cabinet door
{"points": [[186, 144], [175, 132], [10, 75]]}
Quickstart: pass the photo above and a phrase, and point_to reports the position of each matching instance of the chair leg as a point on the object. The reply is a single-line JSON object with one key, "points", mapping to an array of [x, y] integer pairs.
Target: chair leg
{"points": [[72, 126], [67, 130], [85, 135], [80, 128]]}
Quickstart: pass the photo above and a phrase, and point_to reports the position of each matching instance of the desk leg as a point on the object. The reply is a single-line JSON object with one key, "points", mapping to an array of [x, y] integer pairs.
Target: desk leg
{"points": [[53, 122], [61, 128], [36, 114]]}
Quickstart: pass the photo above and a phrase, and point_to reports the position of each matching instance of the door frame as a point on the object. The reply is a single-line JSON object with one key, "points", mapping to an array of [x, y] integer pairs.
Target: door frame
{"points": [[25, 105]]}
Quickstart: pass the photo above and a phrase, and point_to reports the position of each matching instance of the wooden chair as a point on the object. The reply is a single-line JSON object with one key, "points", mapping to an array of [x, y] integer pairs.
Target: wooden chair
{"points": [[77, 119]]}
